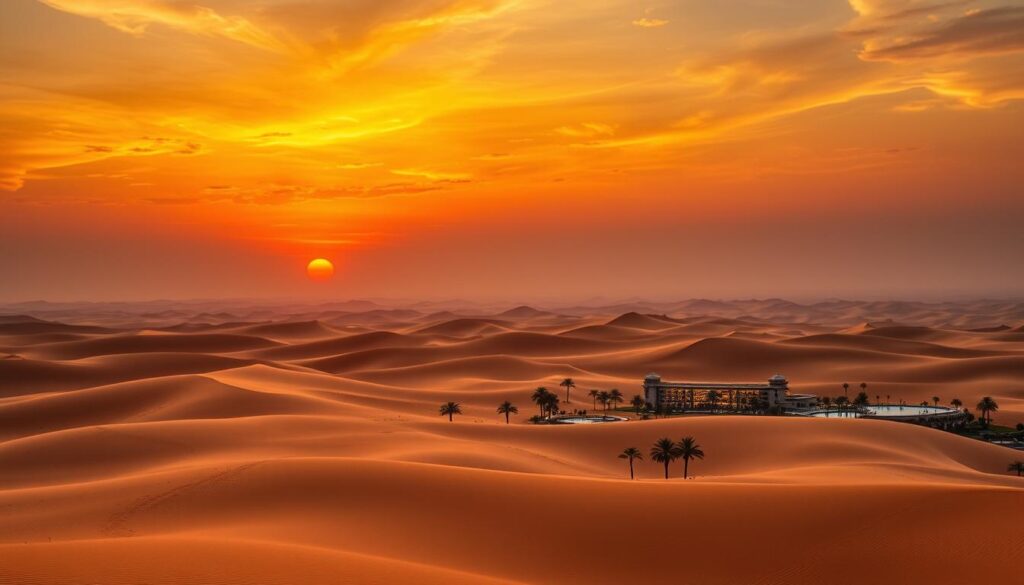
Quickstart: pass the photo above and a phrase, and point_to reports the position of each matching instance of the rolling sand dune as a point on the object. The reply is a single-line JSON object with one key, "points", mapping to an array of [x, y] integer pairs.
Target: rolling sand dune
{"points": [[121, 344], [467, 327], [254, 447]]}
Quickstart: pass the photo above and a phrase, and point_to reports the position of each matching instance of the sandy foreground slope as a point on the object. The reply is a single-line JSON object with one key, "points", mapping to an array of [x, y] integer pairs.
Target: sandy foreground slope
{"points": [[298, 450]]}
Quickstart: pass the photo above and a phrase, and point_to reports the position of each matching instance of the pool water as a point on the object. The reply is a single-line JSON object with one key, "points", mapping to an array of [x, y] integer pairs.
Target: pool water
{"points": [[886, 410], [587, 420]]}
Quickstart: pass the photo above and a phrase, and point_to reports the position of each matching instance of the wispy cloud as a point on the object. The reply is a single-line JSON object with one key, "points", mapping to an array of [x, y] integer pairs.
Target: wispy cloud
{"points": [[137, 16], [646, 22]]}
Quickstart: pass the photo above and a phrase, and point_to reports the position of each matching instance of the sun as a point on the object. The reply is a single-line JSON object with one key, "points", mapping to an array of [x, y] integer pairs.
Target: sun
{"points": [[320, 269]]}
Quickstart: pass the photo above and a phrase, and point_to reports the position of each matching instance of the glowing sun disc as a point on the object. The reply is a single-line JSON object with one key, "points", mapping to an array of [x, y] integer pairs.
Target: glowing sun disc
{"points": [[320, 269]]}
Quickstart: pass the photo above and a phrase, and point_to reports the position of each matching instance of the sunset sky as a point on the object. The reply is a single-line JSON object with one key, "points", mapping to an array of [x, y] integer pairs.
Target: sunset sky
{"points": [[511, 149]]}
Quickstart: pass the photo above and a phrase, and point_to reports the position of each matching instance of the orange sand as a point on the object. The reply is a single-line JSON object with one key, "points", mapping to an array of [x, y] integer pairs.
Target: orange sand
{"points": [[305, 450]]}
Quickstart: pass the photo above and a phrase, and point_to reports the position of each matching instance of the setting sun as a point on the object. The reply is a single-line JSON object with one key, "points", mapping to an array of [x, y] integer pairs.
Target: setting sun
{"points": [[320, 269]]}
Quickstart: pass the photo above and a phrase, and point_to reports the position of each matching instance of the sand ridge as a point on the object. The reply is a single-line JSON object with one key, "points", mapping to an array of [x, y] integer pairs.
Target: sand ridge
{"points": [[257, 445]]}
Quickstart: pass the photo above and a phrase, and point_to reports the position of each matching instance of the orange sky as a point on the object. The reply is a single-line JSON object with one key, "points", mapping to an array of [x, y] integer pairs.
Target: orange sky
{"points": [[520, 149]]}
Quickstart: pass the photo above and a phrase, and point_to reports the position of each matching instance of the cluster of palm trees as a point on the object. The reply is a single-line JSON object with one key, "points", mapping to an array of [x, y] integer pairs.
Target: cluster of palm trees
{"points": [[986, 407], [546, 401], [1016, 466], [608, 398], [665, 451], [846, 389]]}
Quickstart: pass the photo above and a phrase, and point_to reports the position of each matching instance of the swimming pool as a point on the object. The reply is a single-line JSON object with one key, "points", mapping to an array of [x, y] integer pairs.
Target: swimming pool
{"points": [[587, 420], [884, 411]]}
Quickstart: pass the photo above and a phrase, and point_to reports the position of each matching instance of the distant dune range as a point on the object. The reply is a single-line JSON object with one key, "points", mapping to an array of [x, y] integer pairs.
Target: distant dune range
{"points": [[168, 443]]}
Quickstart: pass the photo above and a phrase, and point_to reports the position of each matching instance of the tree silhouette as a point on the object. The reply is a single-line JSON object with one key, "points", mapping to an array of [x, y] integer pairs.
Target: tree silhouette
{"points": [[826, 401], [631, 453], [863, 386], [450, 409], [935, 399], [688, 449], [604, 397], [507, 408], [615, 397], [841, 402], [956, 403], [593, 394], [664, 451], [986, 407], [638, 404], [539, 398], [861, 399], [551, 403], [846, 389], [1017, 466], [568, 384]]}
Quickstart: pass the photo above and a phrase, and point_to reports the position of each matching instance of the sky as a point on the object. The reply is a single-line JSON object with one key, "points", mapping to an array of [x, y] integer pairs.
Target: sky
{"points": [[511, 149]]}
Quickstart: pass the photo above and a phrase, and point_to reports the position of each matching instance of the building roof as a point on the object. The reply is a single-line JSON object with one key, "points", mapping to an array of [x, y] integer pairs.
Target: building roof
{"points": [[717, 386]]}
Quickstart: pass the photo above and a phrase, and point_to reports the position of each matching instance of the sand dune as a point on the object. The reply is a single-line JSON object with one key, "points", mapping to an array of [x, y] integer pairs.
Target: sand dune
{"points": [[638, 321], [466, 327], [155, 343], [289, 331], [254, 446]]}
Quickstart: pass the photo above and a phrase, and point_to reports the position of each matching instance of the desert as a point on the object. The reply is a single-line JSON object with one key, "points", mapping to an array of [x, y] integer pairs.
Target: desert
{"points": [[175, 446]]}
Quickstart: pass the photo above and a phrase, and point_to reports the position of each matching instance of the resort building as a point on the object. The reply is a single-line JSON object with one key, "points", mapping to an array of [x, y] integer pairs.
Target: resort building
{"points": [[730, 396]]}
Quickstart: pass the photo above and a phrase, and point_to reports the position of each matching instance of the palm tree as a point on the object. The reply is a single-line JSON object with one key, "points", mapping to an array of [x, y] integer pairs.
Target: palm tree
{"points": [[846, 389], [826, 400], [863, 386], [551, 403], [664, 451], [631, 453], [841, 401], [593, 394], [688, 449], [451, 409], [861, 399], [603, 397], [539, 397], [713, 397], [568, 383], [615, 397], [987, 406], [1017, 466], [507, 408], [956, 403], [638, 403], [935, 399]]}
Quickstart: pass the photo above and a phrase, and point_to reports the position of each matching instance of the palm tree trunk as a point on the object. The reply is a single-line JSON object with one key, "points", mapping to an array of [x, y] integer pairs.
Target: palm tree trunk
{"points": [[666, 469], [631, 469], [450, 417], [506, 418], [686, 467]]}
